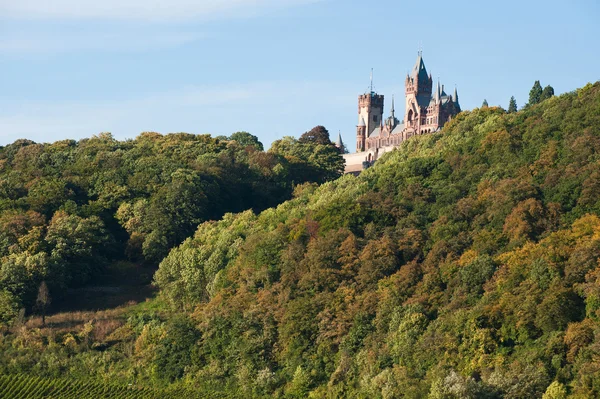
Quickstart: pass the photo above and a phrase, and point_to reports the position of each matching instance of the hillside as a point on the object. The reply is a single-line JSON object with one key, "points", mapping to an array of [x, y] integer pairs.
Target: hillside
{"points": [[465, 264]]}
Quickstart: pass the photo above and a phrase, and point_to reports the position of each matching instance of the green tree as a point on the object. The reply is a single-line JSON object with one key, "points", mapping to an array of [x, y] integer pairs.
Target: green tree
{"points": [[556, 390], [308, 161], [299, 387], [246, 139], [535, 94], [177, 349], [9, 308], [547, 93], [512, 105], [79, 246]]}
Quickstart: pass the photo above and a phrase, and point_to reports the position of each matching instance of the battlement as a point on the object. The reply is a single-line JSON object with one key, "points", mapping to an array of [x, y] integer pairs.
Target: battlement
{"points": [[370, 100]]}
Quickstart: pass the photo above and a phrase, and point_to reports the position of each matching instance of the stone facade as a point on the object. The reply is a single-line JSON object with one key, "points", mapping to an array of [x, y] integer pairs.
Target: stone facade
{"points": [[427, 110]]}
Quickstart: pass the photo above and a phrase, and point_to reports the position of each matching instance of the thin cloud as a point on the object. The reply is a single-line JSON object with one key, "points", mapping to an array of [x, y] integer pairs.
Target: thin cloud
{"points": [[158, 10], [116, 41]]}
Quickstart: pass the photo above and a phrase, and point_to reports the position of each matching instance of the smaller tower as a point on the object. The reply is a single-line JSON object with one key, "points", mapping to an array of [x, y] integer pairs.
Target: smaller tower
{"points": [[392, 121], [361, 135]]}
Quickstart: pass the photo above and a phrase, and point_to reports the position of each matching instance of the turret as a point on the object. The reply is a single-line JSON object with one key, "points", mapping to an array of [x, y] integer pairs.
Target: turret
{"points": [[361, 134], [392, 121], [339, 143], [455, 99]]}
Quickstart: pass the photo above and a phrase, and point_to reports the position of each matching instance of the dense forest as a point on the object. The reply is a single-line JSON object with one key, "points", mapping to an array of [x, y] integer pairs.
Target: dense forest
{"points": [[464, 264], [70, 209]]}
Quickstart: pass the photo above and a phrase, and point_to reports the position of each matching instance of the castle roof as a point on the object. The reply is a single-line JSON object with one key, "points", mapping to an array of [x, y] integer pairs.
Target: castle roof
{"points": [[375, 132], [423, 100], [362, 122], [419, 71], [398, 129], [443, 100]]}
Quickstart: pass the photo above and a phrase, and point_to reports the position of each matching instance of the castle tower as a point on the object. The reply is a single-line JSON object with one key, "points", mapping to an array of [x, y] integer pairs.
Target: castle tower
{"points": [[370, 113], [370, 108], [418, 85]]}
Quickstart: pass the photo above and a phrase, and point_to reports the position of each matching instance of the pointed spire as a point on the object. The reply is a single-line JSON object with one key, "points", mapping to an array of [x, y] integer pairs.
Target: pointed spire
{"points": [[419, 70], [437, 92], [371, 80], [392, 110], [455, 96], [339, 143]]}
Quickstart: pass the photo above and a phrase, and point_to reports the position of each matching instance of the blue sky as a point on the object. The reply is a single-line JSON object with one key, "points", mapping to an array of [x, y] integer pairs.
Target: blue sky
{"points": [[74, 68]]}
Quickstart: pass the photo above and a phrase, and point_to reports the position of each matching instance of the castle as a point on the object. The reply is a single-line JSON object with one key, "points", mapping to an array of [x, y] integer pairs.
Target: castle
{"points": [[426, 111]]}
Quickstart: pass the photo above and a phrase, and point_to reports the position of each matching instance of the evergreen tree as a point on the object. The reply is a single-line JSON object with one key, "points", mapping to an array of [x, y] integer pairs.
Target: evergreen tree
{"points": [[547, 93], [535, 94], [485, 104], [512, 105]]}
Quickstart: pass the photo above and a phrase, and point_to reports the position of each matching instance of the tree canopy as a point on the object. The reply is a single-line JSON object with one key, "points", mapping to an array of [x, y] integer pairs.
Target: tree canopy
{"points": [[69, 208]]}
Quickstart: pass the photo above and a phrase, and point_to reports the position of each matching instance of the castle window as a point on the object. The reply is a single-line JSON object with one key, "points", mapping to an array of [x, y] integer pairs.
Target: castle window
{"points": [[374, 118]]}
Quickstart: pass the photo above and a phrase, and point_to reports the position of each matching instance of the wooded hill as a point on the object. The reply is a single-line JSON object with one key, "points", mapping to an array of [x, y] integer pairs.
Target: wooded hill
{"points": [[462, 265]]}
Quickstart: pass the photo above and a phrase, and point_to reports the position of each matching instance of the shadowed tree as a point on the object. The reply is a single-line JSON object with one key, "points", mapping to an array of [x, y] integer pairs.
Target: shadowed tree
{"points": [[43, 300], [316, 135]]}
